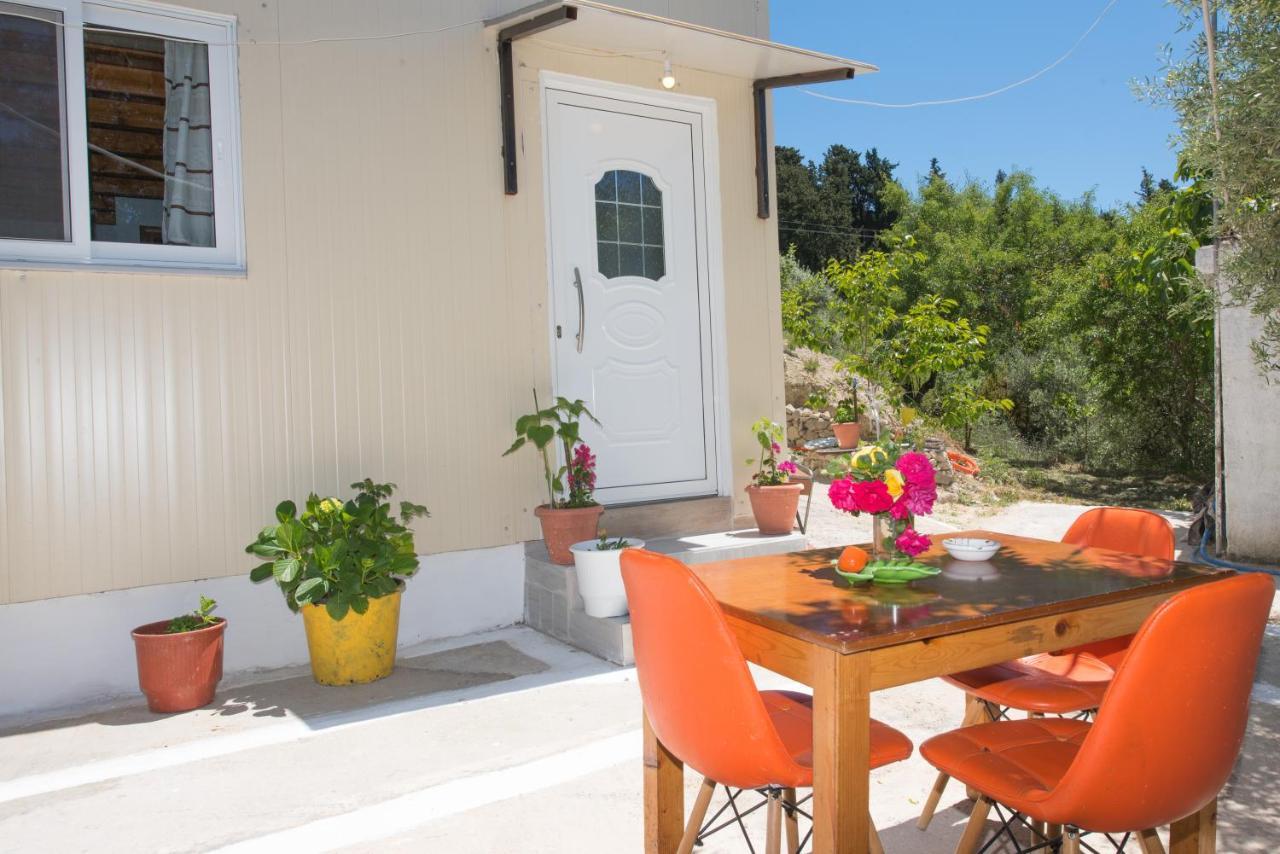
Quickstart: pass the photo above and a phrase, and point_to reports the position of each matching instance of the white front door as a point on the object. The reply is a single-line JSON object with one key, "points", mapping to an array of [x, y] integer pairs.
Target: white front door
{"points": [[630, 296]]}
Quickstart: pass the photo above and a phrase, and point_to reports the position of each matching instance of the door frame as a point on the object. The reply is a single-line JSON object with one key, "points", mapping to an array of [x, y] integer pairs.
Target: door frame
{"points": [[717, 324]]}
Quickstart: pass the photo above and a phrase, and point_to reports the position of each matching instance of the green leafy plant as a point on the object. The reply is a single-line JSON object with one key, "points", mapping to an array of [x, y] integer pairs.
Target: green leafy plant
{"points": [[771, 472], [200, 618], [560, 422], [604, 544], [817, 400], [811, 365], [339, 554], [963, 404]]}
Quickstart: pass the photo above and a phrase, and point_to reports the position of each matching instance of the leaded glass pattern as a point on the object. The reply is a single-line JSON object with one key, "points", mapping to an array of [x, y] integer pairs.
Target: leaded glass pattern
{"points": [[629, 237]]}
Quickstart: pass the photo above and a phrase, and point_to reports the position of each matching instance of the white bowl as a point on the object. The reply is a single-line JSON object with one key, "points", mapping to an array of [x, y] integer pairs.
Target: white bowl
{"points": [[966, 548]]}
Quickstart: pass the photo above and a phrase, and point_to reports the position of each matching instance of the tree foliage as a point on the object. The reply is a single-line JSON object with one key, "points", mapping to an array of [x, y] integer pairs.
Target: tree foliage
{"points": [[1087, 329], [1235, 143]]}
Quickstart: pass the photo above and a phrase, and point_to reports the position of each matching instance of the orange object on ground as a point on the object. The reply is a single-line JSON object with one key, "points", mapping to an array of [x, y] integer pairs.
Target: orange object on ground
{"points": [[963, 463], [853, 559], [1160, 748], [699, 697], [178, 672]]}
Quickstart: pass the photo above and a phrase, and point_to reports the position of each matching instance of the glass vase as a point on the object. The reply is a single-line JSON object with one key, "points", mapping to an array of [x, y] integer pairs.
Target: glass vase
{"points": [[877, 549]]}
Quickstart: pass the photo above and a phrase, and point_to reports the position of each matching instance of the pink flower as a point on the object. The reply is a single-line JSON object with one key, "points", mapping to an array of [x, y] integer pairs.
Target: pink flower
{"points": [[841, 494], [899, 509], [787, 466], [775, 447], [919, 500], [917, 470], [872, 496], [911, 542]]}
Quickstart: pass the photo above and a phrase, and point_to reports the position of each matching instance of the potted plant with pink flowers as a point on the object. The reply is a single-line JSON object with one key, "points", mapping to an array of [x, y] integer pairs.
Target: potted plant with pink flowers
{"points": [[774, 496], [571, 513], [894, 487]]}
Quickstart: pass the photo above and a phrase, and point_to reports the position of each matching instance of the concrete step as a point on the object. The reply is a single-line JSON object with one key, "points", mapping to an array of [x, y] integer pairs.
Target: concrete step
{"points": [[658, 519], [553, 606]]}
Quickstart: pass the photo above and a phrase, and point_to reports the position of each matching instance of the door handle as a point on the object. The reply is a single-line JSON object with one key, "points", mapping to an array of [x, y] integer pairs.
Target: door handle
{"points": [[582, 309]]}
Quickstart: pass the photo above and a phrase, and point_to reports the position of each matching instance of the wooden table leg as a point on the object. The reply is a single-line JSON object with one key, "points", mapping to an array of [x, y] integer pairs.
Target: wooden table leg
{"points": [[1197, 833], [841, 754], [663, 796]]}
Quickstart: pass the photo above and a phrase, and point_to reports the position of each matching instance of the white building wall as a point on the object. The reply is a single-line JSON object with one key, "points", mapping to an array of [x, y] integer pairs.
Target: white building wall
{"points": [[1251, 432]]}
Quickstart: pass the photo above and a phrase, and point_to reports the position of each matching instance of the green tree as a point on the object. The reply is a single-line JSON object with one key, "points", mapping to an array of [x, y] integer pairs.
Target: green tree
{"points": [[1231, 139]]}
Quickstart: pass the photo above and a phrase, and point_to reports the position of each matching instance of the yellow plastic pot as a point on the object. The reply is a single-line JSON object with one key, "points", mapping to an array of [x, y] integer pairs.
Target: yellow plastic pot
{"points": [[907, 414], [356, 649]]}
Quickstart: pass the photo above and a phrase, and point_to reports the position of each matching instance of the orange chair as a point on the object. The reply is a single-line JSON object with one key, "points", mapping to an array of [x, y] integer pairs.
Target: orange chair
{"points": [[703, 705], [1161, 746], [1072, 681]]}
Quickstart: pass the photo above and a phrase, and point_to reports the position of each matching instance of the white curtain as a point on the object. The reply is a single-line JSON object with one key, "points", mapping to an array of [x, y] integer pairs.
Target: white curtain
{"points": [[188, 147]]}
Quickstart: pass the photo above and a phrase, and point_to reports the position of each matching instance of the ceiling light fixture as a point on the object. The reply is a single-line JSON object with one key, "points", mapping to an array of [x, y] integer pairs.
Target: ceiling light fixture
{"points": [[668, 77]]}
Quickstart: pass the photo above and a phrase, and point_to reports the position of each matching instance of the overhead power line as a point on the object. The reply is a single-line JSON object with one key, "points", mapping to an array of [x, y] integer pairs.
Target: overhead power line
{"points": [[966, 98]]}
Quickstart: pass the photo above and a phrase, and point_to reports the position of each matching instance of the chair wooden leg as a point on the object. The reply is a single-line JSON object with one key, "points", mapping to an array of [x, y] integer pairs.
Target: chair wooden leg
{"points": [[1071, 842], [976, 826], [873, 837], [1150, 841], [700, 805], [792, 822], [1052, 831], [773, 838], [926, 815]]}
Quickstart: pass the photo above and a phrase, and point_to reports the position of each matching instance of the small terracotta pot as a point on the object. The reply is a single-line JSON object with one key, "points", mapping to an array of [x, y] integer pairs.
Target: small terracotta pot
{"points": [[775, 506], [847, 433], [178, 672], [564, 526]]}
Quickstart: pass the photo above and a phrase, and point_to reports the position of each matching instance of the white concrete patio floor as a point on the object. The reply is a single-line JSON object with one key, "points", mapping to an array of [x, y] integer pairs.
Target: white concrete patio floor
{"points": [[502, 742]]}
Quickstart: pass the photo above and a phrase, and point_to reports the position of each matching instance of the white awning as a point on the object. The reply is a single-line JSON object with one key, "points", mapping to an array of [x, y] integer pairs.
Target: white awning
{"points": [[609, 30]]}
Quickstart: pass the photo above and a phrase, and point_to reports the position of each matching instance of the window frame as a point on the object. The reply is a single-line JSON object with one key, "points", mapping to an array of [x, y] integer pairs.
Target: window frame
{"points": [[161, 21]]}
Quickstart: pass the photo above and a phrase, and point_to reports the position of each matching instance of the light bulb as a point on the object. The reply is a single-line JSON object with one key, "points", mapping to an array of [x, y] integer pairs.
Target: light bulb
{"points": [[668, 77]]}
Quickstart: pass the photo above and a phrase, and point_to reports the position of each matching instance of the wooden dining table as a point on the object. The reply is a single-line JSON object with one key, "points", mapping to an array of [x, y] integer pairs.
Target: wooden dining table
{"points": [[793, 615]]}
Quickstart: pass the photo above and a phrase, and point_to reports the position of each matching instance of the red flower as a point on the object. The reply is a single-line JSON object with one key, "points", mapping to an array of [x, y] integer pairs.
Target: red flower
{"points": [[841, 494], [872, 496]]}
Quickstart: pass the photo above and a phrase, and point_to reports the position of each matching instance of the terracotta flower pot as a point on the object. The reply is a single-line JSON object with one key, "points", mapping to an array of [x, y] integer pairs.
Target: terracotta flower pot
{"points": [[564, 526], [847, 433], [178, 672], [775, 506]]}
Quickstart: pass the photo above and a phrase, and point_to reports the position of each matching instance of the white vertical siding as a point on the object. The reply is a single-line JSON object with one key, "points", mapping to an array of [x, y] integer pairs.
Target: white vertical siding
{"points": [[391, 324]]}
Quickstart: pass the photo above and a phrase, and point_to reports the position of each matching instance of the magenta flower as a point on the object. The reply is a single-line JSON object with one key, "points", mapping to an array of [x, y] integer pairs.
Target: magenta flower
{"points": [[919, 500], [787, 466], [917, 470], [841, 494], [899, 509], [912, 542], [776, 448], [872, 496]]}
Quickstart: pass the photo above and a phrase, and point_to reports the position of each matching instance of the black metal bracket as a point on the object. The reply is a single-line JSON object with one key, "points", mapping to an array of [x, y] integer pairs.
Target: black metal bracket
{"points": [[506, 79], [758, 90]]}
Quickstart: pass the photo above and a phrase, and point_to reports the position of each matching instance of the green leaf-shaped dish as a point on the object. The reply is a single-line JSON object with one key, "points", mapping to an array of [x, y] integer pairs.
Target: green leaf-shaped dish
{"points": [[890, 571]]}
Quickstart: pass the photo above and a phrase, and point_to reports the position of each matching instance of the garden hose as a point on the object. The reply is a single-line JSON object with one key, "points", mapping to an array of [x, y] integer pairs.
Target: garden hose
{"points": [[1202, 554]]}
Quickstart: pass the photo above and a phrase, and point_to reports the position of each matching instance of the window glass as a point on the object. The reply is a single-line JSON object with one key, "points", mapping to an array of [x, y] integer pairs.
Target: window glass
{"points": [[150, 139], [33, 163], [629, 237]]}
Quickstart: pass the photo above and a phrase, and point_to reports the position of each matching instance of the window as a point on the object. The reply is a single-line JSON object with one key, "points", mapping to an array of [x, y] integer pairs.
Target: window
{"points": [[118, 135], [629, 240]]}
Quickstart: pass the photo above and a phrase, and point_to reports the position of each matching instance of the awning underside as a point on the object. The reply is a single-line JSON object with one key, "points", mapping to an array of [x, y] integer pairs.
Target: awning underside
{"points": [[588, 26], [610, 30]]}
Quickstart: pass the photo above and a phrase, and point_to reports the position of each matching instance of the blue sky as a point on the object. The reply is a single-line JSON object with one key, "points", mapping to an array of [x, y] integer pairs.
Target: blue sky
{"points": [[1078, 128]]}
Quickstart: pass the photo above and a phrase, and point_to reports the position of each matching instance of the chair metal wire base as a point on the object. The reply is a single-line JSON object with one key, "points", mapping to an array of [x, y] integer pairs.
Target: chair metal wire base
{"points": [[709, 827], [1009, 819]]}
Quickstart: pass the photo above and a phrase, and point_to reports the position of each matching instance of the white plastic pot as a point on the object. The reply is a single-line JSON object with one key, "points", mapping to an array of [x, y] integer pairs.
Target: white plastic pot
{"points": [[600, 577]]}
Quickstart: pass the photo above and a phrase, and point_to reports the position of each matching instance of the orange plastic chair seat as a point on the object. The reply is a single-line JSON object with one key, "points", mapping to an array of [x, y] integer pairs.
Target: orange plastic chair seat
{"points": [[1050, 684], [792, 716], [1017, 763]]}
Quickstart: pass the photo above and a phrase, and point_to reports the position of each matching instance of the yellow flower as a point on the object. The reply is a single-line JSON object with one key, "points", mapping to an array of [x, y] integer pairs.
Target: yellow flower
{"points": [[869, 453], [330, 505], [894, 480]]}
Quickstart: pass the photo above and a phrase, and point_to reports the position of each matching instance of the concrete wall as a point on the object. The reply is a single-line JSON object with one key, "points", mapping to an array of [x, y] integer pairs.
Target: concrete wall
{"points": [[76, 651], [391, 322], [1251, 432]]}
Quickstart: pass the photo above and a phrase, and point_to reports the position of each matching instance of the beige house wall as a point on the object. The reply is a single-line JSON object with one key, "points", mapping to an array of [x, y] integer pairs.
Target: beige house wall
{"points": [[391, 323]]}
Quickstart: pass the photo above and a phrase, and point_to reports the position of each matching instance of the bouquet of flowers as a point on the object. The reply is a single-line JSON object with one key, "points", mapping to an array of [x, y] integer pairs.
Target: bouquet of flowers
{"points": [[883, 480]]}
